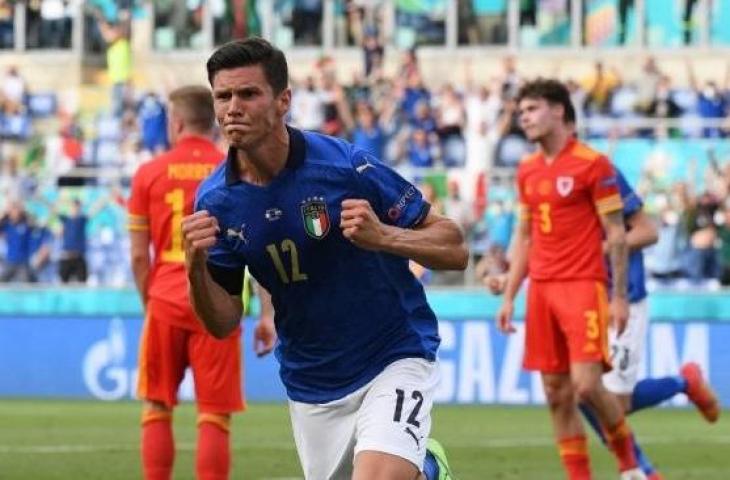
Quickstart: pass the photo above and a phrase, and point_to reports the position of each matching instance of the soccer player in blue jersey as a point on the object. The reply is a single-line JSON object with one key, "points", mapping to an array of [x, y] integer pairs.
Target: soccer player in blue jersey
{"points": [[627, 348], [328, 230]]}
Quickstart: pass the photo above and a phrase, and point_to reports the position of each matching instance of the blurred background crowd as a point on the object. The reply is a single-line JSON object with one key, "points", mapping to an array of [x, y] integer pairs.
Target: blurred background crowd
{"points": [[65, 165]]}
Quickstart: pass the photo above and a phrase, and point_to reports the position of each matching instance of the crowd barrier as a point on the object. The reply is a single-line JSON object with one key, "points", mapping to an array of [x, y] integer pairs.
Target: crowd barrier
{"points": [[83, 344]]}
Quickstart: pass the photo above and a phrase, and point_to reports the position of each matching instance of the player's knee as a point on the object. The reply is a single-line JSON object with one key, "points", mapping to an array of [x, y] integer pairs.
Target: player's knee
{"points": [[586, 390], [220, 420], [155, 411], [156, 406], [625, 402], [558, 395]]}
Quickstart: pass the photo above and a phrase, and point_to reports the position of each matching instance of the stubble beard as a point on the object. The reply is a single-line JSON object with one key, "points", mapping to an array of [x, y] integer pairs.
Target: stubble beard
{"points": [[236, 140], [246, 142]]}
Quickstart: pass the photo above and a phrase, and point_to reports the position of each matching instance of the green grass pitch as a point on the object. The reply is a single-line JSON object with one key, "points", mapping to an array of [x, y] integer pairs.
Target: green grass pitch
{"points": [[50, 439]]}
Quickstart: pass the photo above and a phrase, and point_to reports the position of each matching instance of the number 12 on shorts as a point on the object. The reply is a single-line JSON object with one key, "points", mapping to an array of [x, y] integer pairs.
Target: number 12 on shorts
{"points": [[400, 400]]}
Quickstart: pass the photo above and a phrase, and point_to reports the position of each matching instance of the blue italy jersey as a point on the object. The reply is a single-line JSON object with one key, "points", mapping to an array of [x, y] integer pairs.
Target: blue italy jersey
{"points": [[73, 239], [632, 204], [342, 313], [18, 239]]}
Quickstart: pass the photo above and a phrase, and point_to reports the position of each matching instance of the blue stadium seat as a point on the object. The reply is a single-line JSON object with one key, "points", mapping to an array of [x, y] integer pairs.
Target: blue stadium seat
{"points": [[106, 152], [16, 127], [41, 105], [599, 126], [686, 99], [623, 101], [108, 128]]}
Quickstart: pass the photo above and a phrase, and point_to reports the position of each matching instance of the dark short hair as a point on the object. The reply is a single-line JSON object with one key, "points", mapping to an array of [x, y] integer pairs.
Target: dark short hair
{"points": [[553, 91], [251, 51], [194, 104]]}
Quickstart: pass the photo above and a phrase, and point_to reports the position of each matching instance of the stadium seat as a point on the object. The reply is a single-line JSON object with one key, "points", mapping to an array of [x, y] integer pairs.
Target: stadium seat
{"points": [[108, 128], [106, 152], [41, 105], [15, 127], [164, 38], [599, 126], [686, 99], [623, 101]]}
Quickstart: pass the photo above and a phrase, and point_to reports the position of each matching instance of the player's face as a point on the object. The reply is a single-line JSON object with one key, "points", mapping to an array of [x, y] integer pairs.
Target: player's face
{"points": [[246, 107], [538, 117], [15, 211]]}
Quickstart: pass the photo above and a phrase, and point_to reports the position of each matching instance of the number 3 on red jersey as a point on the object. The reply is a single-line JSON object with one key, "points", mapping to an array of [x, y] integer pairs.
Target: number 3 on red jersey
{"points": [[546, 224]]}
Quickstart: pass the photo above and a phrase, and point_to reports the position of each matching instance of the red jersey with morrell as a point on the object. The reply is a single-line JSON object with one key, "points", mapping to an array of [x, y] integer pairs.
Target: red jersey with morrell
{"points": [[163, 191]]}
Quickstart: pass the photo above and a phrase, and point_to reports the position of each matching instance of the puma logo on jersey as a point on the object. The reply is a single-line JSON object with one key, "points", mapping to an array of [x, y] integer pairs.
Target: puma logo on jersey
{"points": [[415, 438], [239, 234], [364, 167]]}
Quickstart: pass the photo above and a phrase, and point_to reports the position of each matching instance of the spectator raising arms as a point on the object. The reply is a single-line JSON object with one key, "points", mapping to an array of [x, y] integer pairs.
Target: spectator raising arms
{"points": [[26, 246]]}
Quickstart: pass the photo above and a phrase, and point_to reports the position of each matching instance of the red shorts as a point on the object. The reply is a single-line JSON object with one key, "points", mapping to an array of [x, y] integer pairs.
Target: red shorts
{"points": [[566, 322], [166, 350]]}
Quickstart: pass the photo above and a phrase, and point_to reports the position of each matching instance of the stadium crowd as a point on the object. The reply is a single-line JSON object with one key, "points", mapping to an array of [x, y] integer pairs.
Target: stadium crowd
{"points": [[63, 191]]}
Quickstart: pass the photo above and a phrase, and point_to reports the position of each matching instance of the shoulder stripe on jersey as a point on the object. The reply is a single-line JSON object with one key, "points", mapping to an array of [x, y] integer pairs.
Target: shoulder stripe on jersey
{"points": [[137, 223], [609, 204], [584, 152], [530, 157], [135, 216]]}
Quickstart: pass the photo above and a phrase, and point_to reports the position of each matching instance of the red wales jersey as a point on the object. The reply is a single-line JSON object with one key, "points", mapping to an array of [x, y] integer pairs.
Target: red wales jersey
{"points": [[163, 191], [563, 202]]}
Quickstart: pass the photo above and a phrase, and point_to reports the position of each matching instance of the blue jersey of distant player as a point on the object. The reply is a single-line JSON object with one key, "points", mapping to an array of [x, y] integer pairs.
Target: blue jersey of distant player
{"points": [[632, 204], [342, 313]]}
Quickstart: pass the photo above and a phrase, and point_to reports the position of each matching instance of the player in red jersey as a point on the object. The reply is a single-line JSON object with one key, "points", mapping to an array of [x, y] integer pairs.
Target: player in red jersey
{"points": [[569, 205], [163, 191]]}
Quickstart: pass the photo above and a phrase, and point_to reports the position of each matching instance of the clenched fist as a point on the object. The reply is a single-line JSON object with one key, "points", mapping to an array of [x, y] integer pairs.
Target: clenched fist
{"points": [[199, 233], [360, 225]]}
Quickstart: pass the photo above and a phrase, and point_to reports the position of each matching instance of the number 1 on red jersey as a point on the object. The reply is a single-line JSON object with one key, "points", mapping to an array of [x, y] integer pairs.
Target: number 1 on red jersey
{"points": [[176, 199]]}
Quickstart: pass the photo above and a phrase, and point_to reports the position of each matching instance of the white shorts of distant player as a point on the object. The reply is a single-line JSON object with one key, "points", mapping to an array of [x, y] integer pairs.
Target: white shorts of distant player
{"points": [[626, 350], [391, 414]]}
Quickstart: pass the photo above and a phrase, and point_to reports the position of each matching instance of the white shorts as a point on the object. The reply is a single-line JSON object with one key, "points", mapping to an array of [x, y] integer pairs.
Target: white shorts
{"points": [[626, 350], [391, 414]]}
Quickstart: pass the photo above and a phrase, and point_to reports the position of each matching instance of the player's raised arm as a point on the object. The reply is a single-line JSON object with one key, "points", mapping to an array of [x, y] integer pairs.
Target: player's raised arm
{"points": [[391, 215], [436, 242], [219, 310]]}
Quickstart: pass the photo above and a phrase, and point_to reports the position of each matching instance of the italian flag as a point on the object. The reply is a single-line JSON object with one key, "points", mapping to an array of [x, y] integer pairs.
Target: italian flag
{"points": [[318, 225]]}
